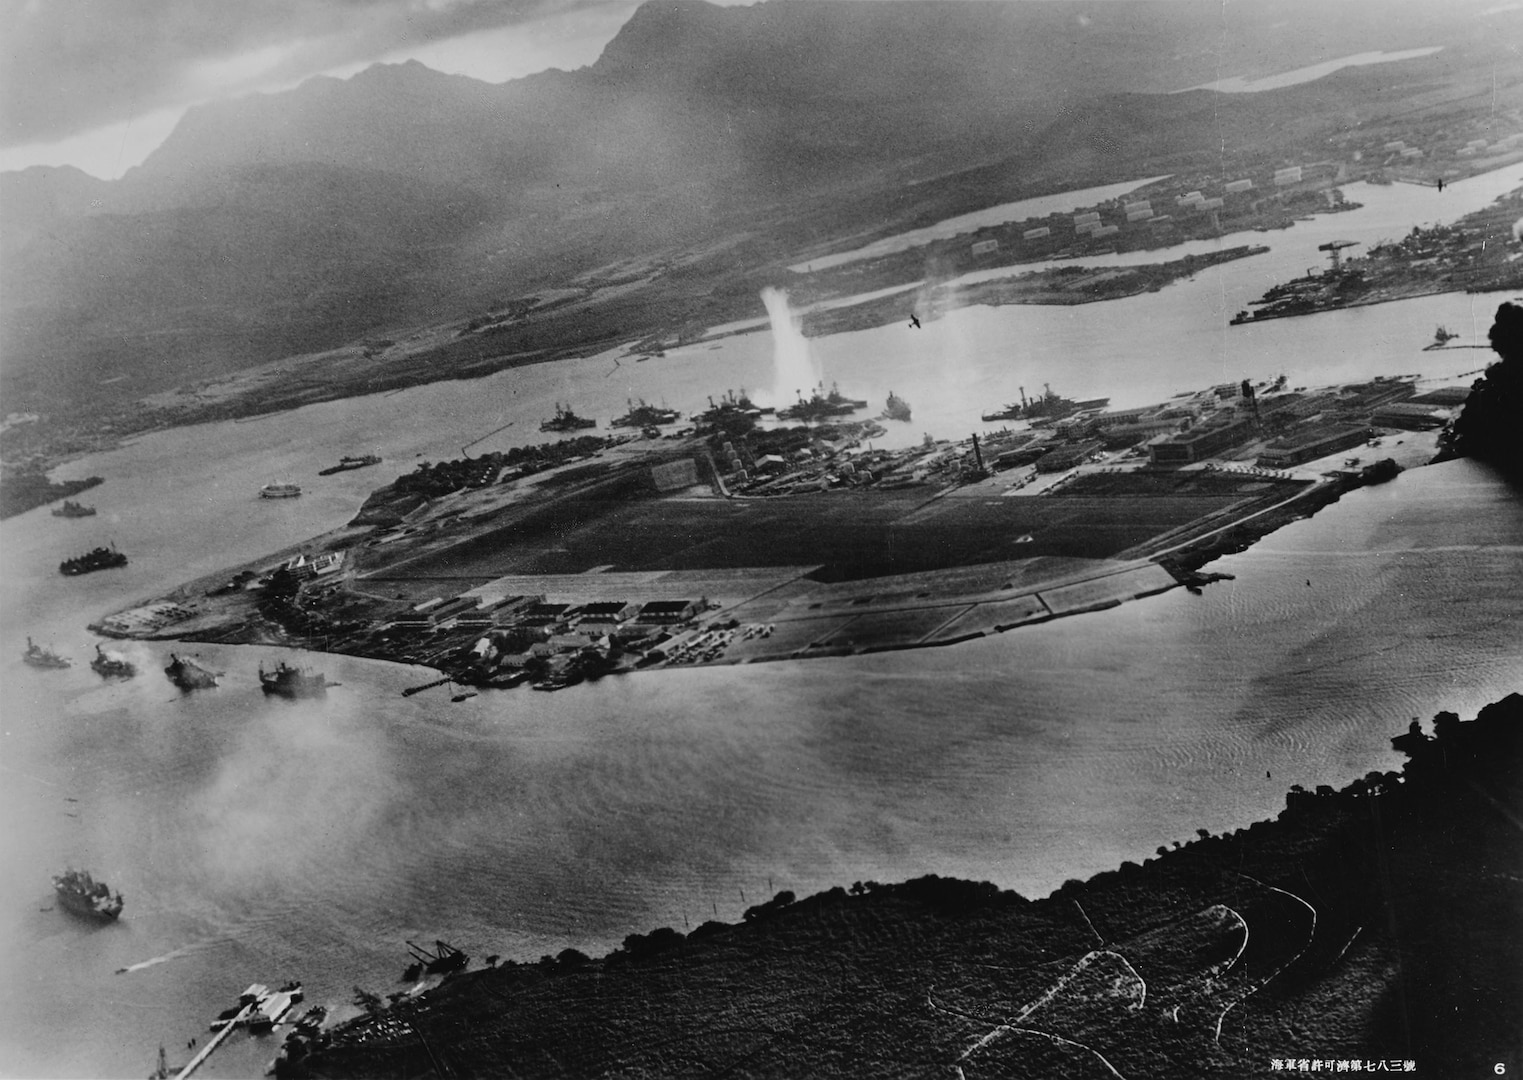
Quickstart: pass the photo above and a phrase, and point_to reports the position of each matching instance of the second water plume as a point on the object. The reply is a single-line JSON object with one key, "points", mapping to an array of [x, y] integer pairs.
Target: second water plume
{"points": [[794, 369]]}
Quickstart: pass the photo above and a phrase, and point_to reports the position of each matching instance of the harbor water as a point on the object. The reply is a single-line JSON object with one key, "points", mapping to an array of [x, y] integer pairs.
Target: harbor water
{"points": [[257, 839]]}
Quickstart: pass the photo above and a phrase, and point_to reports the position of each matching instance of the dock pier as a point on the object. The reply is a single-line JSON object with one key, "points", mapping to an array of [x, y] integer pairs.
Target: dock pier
{"points": [[216, 1040]]}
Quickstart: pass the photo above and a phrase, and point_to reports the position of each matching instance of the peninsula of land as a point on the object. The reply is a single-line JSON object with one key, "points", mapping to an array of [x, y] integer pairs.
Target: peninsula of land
{"points": [[743, 537]]}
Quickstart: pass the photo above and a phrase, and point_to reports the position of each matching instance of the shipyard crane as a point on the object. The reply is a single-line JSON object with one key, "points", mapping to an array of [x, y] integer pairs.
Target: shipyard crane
{"points": [[1333, 247]]}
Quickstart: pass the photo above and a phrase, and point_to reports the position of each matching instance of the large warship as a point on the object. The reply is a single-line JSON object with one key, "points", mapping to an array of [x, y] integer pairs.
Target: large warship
{"points": [[81, 894], [1049, 406], [643, 415], [189, 675], [566, 420], [38, 657], [731, 406], [347, 462], [71, 509], [112, 665], [293, 682], [897, 408], [821, 405], [102, 558]]}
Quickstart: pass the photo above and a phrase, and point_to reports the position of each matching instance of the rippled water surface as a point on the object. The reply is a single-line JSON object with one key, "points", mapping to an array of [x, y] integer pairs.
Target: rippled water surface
{"points": [[260, 840]]}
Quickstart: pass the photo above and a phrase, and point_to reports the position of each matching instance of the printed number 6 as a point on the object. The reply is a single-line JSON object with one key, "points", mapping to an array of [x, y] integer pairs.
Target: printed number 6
{"points": [[1499, 1068]]}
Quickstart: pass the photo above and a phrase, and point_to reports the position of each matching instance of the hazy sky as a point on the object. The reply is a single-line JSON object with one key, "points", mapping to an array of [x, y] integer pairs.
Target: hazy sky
{"points": [[99, 83]]}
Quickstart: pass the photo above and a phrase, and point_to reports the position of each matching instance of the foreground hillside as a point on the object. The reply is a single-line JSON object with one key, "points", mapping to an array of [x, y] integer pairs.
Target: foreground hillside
{"points": [[1380, 924]]}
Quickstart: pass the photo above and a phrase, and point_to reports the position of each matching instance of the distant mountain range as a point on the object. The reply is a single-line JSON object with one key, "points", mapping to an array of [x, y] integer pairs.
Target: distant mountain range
{"points": [[273, 224]]}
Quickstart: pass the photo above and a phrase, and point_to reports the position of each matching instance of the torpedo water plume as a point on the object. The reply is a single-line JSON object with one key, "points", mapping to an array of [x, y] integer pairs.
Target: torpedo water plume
{"points": [[794, 369]]}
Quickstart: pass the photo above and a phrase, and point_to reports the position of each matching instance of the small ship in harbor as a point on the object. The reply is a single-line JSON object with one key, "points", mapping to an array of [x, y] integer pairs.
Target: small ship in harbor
{"points": [[102, 558], [348, 462], [38, 657], [1049, 407], [821, 406], [1441, 337], [897, 408], [71, 509], [643, 416], [81, 894], [280, 491], [293, 682], [566, 420], [189, 675], [112, 665]]}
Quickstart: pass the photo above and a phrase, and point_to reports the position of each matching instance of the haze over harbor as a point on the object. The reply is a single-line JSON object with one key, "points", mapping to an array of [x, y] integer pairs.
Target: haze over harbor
{"points": [[262, 839]]}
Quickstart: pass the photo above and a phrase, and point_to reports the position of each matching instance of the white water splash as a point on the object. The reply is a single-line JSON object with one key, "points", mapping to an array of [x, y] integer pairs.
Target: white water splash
{"points": [[795, 371]]}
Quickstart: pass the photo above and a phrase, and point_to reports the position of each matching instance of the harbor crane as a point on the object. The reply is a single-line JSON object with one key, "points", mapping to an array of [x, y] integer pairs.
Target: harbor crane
{"points": [[1333, 247]]}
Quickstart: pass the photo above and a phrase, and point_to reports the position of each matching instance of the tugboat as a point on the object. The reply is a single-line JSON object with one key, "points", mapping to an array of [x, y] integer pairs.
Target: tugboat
{"points": [[347, 463], [39, 657], [71, 509], [189, 675], [566, 420], [81, 894], [644, 416], [280, 491], [102, 558], [897, 409], [111, 665], [292, 682]]}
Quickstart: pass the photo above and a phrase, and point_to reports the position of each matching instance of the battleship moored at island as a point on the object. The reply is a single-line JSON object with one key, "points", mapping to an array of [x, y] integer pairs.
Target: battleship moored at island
{"points": [[81, 894], [1049, 406], [347, 462], [643, 415], [730, 407], [897, 408], [566, 420], [821, 406], [71, 509], [279, 491], [293, 682], [38, 657], [112, 665], [102, 558], [189, 675]]}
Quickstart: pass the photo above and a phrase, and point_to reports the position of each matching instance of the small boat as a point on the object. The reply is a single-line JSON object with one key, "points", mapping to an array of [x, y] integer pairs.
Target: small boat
{"points": [[346, 463], [1441, 337], [39, 657], [280, 491], [112, 665], [189, 675], [73, 510], [82, 895], [293, 682]]}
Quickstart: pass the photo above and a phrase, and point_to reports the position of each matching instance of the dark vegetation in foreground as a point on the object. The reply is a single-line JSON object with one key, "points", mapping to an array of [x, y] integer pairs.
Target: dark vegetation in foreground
{"points": [[1382, 923], [1491, 427]]}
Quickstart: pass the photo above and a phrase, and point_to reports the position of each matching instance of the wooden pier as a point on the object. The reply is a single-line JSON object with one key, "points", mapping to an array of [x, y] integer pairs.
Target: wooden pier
{"points": [[216, 1041]]}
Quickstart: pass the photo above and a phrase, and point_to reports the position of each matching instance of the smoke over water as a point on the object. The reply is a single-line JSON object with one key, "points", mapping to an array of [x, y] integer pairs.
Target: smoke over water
{"points": [[794, 368]]}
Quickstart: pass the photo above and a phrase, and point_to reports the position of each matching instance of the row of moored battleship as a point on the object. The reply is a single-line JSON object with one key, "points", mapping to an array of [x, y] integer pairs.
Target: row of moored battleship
{"points": [[284, 680]]}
